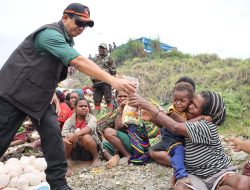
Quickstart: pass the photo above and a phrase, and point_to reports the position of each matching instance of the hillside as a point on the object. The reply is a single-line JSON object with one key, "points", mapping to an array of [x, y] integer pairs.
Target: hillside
{"points": [[157, 73]]}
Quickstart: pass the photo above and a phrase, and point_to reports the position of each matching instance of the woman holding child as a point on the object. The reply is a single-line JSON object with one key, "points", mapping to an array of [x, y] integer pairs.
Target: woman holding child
{"points": [[206, 163]]}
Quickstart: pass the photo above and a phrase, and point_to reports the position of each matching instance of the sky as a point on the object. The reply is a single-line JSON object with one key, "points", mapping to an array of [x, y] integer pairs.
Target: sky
{"points": [[193, 26]]}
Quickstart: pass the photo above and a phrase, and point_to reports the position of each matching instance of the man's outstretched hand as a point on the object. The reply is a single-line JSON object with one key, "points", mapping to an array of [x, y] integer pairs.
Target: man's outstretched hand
{"points": [[123, 85]]}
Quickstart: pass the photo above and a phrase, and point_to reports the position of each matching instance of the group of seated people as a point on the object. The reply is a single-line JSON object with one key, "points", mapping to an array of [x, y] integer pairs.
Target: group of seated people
{"points": [[190, 142]]}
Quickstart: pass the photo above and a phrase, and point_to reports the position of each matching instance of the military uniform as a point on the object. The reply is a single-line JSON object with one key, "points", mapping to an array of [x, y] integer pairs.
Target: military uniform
{"points": [[101, 88]]}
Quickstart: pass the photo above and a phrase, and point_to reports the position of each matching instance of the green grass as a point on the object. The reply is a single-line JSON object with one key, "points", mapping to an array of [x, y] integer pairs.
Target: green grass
{"points": [[158, 72]]}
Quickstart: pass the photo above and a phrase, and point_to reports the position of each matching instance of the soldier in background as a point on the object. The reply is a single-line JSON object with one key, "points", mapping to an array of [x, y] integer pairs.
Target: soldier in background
{"points": [[90, 57], [110, 48], [104, 61], [114, 45]]}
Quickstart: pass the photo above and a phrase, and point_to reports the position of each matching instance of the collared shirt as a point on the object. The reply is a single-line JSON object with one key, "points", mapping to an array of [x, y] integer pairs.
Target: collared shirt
{"points": [[52, 41], [171, 109]]}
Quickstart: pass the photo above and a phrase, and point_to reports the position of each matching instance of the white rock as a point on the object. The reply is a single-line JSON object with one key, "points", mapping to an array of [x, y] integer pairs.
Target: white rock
{"points": [[34, 178], [11, 161], [4, 181], [24, 161], [40, 164], [29, 169], [43, 176], [15, 170], [3, 170], [23, 182], [13, 182]]}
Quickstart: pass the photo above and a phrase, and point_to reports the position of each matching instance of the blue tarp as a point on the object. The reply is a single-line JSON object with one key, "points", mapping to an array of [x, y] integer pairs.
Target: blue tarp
{"points": [[149, 49]]}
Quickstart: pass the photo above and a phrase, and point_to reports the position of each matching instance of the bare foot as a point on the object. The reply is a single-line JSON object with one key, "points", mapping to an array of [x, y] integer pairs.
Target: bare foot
{"points": [[113, 161], [185, 180], [69, 172], [96, 162]]}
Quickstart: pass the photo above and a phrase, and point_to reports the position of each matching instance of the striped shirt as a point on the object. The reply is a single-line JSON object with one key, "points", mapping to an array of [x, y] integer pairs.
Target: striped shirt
{"points": [[204, 155]]}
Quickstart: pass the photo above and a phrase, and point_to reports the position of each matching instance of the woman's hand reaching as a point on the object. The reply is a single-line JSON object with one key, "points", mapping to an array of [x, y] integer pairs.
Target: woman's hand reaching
{"points": [[137, 101]]}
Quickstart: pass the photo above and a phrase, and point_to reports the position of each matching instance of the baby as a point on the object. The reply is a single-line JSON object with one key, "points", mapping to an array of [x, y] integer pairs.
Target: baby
{"points": [[182, 96]]}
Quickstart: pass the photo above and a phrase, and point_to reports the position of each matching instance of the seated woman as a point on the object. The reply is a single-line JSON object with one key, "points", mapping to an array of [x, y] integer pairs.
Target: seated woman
{"points": [[206, 162], [79, 135], [118, 137], [173, 144], [67, 108], [23, 133]]}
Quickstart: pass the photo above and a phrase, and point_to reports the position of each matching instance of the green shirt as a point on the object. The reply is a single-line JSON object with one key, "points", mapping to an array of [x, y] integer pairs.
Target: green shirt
{"points": [[52, 41]]}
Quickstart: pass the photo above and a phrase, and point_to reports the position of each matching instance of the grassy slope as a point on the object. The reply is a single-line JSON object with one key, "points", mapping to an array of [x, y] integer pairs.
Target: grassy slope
{"points": [[230, 77]]}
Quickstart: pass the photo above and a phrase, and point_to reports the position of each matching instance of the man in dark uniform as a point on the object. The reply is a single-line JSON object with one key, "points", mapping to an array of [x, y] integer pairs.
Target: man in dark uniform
{"points": [[101, 88], [28, 80]]}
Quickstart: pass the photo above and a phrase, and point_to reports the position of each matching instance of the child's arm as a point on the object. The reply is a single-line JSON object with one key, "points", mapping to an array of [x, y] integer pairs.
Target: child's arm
{"points": [[118, 119], [177, 117], [174, 115], [202, 117]]}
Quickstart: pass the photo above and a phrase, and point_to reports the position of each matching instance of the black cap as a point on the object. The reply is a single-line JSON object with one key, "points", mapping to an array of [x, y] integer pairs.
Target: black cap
{"points": [[80, 11]]}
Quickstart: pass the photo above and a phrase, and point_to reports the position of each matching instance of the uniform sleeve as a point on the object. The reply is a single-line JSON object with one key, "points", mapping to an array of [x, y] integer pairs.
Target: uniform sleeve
{"points": [[112, 66], [52, 41], [199, 132]]}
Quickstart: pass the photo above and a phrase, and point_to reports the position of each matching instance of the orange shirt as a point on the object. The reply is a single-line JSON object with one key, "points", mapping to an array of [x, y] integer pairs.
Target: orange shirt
{"points": [[80, 124], [65, 113]]}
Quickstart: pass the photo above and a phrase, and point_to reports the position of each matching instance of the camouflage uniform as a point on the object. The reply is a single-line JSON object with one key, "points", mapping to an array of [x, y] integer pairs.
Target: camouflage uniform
{"points": [[101, 88]]}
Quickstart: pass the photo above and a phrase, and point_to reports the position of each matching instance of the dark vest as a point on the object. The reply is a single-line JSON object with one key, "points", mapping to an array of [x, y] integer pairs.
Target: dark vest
{"points": [[28, 80]]}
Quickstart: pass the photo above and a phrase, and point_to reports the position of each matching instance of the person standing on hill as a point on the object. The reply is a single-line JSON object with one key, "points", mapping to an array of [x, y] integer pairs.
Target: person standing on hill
{"points": [[29, 78], [110, 48], [101, 88]]}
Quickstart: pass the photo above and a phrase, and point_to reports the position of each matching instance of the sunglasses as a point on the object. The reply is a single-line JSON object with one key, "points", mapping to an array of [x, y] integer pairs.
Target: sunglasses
{"points": [[80, 23]]}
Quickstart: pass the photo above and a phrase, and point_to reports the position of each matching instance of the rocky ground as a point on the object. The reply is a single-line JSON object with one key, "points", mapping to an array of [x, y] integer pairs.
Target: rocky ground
{"points": [[126, 177], [151, 176], [129, 177]]}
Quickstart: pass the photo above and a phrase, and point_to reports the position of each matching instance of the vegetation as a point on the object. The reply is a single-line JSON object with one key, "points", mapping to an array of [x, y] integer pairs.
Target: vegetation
{"points": [[158, 71]]}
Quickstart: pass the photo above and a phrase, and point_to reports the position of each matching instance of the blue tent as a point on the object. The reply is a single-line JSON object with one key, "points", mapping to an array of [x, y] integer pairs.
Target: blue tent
{"points": [[149, 49]]}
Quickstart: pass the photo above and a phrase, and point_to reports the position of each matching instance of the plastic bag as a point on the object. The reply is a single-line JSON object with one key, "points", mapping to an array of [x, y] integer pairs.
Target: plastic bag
{"points": [[131, 115]]}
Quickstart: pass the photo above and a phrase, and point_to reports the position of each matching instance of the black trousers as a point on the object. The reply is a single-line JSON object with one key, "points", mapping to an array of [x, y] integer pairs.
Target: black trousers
{"points": [[11, 119], [102, 90]]}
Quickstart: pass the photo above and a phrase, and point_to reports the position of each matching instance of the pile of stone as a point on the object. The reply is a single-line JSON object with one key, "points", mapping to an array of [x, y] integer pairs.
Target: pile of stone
{"points": [[25, 173]]}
